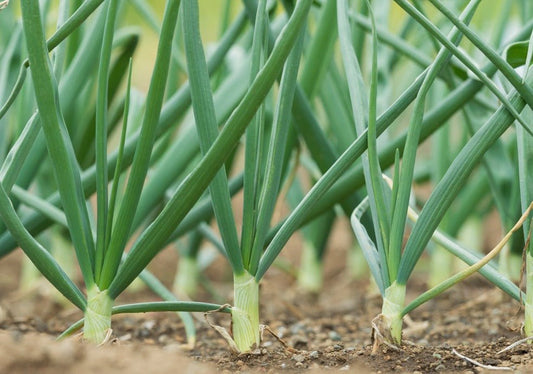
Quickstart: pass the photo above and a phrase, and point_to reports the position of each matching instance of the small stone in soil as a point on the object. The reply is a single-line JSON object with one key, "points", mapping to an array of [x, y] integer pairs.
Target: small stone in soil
{"points": [[298, 358], [162, 339], [333, 335], [125, 337], [148, 325], [297, 327]]}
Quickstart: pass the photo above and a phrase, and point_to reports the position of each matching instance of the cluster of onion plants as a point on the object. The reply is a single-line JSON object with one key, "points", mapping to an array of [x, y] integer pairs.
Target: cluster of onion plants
{"points": [[305, 93]]}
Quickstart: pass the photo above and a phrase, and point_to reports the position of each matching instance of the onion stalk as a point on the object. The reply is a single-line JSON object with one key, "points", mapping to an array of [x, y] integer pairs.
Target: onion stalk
{"points": [[97, 315], [528, 302], [393, 304], [441, 266], [389, 208], [187, 275], [260, 198], [245, 312], [311, 272]]}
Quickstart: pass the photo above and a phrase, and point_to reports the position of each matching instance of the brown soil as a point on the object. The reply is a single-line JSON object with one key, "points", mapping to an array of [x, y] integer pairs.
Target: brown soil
{"points": [[327, 333]]}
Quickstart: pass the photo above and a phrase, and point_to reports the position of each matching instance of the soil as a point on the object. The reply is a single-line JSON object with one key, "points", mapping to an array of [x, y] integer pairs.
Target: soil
{"points": [[327, 333]]}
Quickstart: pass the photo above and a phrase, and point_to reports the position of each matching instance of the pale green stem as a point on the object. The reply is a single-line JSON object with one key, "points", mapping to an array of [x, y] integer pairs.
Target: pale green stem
{"points": [[245, 312], [528, 302], [393, 303], [510, 264], [310, 276], [515, 266], [470, 236], [186, 280], [441, 266], [356, 263], [504, 265], [97, 320], [137, 286]]}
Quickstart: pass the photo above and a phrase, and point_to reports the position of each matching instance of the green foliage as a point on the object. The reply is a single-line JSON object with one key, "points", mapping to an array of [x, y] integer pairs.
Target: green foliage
{"points": [[293, 102]]}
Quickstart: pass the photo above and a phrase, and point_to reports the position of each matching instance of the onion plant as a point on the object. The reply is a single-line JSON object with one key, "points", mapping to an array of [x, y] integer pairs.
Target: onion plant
{"points": [[186, 280], [391, 265], [100, 257], [67, 171], [520, 55], [92, 254], [525, 146], [319, 198], [173, 170], [260, 194], [315, 237]]}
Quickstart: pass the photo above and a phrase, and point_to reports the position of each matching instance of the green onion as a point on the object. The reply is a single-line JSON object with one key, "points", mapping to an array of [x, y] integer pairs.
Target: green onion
{"points": [[304, 114]]}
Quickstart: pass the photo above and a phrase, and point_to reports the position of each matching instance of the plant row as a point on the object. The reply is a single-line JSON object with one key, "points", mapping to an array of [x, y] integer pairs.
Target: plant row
{"points": [[336, 109]]}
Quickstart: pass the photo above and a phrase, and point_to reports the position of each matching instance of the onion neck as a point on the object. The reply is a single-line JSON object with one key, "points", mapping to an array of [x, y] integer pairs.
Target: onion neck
{"points": [[528, 302], [441, 266], [310, 276], [97, 315], [245, 312], [393, 304], [186, 280]]}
